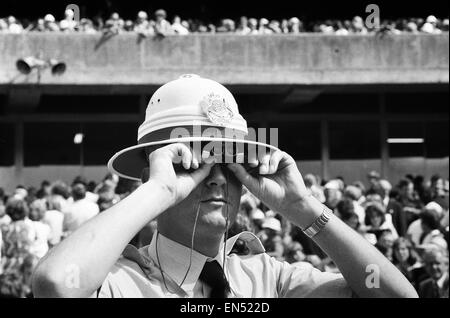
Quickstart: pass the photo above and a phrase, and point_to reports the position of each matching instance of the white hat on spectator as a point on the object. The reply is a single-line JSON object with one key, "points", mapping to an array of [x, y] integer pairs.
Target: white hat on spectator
{"points": [[49, 18], [333, 185], [257, 214], [431, 19], [142, 15], [294, 20], [434, 206], [64, 24], [263, 21], [272, 223]]}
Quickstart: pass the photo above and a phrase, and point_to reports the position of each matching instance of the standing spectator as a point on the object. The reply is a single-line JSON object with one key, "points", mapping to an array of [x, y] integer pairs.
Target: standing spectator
{"points": [[13, 25], [243, 28], [354, 194], [294, 25], [68, 23], [395, 209], [162, 26], [178, 28], [358, 25], [80, 211], [253, 25], [374, 181], [49, 23], [114, 24], [264, 27], [436, 264], [430, 26]]}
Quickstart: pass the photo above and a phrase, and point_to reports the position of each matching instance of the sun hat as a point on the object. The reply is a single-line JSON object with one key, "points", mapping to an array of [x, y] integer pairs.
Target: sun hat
{"points": [[188, 109]]}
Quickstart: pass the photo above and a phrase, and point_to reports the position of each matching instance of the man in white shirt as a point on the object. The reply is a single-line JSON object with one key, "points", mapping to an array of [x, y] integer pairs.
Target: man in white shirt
{"points": [[195, 197], [80, 210]]}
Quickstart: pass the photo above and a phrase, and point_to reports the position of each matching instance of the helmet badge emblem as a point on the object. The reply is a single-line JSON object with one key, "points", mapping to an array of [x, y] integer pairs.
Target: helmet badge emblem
{"points": [[217, 109]]}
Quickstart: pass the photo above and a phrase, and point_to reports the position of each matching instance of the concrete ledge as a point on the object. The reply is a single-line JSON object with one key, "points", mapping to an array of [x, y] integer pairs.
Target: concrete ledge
{"points": [[308, 59]]}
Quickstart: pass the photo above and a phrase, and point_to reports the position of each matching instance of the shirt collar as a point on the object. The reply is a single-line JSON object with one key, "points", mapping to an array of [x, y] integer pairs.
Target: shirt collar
{"points": [[174, 258]]}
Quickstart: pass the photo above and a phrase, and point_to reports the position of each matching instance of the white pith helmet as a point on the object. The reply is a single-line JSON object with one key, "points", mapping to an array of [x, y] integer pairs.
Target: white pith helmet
{"points": [[190, 104]]}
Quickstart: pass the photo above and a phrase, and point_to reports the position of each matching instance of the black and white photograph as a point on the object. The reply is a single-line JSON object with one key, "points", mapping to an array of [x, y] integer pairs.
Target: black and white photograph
{"points": [[224, 149]]}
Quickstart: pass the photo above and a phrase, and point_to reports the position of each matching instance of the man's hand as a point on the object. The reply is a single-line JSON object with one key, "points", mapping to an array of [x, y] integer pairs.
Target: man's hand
{"points": [[178, 185], [279, 184]]}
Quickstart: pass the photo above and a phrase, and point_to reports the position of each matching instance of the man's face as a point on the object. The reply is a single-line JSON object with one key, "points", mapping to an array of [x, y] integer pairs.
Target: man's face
{"points": [[216, 196], [436, 265]]}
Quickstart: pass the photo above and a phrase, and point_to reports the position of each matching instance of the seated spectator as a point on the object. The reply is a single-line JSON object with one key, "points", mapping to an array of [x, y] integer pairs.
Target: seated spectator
{"points": [[80, 210], [436, 264], [385, 243], [404, 258], [333, 194], [415, 230], [431, 234], [377, 220], [354, 194]]}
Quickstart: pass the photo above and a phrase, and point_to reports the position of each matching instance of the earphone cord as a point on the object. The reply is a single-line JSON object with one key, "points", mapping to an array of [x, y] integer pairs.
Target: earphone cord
{"points": [[190, 253]]}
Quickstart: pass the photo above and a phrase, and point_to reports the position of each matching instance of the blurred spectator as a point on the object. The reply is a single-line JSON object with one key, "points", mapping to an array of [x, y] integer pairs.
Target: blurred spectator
{"points": [[162, 26], [333, 194], [253, 25], [68, 24], [50, 23], [404, 258], [80, 210], [177, 27], [243, 28], [39, 247], [18, 261], [54, 218], [45, 190], [415, 229], [431, 235], [264, 27], [436, 264], [377, 221], [430, 26], [407, 198], [313, 187]]}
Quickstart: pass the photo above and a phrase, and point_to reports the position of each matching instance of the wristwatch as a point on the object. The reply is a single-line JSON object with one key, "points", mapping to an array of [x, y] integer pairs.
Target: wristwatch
{"points": [[319, 223]]}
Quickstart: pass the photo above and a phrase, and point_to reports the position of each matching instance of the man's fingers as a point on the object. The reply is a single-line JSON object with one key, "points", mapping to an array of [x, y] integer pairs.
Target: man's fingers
{"points": [[264, 166], [275, 159], [243, 176]]}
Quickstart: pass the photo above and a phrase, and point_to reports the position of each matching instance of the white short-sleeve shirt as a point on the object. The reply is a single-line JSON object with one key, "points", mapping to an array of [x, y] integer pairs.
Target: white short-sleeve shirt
{"points": [[138, 273]]}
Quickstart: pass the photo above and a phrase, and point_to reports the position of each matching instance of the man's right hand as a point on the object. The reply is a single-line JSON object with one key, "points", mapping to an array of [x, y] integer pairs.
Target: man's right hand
{"points": [[178, 185]]}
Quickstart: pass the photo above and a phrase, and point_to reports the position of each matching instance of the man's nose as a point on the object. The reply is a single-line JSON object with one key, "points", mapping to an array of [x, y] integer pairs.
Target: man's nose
{"points": [[217, 176]]}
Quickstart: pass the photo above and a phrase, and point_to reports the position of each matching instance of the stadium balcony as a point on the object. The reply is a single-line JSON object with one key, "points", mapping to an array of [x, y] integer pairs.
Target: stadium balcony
{"points": [[307, 59]]}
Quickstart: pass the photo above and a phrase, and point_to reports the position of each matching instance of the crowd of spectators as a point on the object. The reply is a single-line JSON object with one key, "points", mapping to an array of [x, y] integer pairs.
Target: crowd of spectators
{"points": [[407, 222], [159, 24]]}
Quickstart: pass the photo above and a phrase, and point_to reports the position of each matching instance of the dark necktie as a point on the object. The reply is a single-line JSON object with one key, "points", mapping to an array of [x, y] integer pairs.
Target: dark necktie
{"points": [[214, 276]]}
